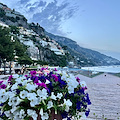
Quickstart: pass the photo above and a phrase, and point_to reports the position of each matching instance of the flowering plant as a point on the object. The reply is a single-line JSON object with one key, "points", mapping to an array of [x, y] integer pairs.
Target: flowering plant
{"points": [[39, 93]]}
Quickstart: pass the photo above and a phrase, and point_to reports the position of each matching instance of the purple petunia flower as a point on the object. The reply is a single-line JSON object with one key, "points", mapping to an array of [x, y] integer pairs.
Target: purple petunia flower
{"points": [[42, 69], [55, 69], [33, 73], [64, 114], [3, 86], [17, 91], [1, 104], [87, 112], [42, 85], [10, 77], [79, 105], [26, 76], [87, 99], [78, 79], [55, 77]]}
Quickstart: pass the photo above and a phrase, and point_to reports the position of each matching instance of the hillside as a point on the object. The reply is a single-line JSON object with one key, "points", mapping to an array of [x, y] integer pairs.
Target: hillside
{"points": [[85, 55], [39, 46]]}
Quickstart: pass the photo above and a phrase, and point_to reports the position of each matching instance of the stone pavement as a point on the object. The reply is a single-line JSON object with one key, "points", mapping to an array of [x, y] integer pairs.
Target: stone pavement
{"points": [[104, 93], [3, 77]]}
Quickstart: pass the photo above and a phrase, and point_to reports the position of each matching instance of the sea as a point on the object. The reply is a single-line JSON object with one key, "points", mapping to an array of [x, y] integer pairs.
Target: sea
{"points": [[107, 69]]}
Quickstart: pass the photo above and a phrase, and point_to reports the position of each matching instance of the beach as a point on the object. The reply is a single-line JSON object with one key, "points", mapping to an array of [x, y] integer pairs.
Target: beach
{"points": [[104, 93]]}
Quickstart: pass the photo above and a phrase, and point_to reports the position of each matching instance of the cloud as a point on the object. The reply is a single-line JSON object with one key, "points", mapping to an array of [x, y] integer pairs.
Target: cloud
{"points": [[24, 1], [50, 14]]}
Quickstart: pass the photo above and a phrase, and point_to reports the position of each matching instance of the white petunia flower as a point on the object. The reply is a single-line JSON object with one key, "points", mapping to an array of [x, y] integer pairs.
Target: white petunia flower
{"points": [[45, 116], [31, 87], [42, 94], [10, 102], [23, 94], [72, 83], [3, 98], [83, 84], [23, 77], [70, 89], [18, 80], [24, 82], [14, 109], [64, 77], [34, 101], [15, 86], [7, 113], [67, 104], [47, 81], [67, 108], [31, 96], [59, 95], [53, 96], [2, 92], [29, 80], [22, 114], [15, 76], [14, 101], [11, 94], [58, 72], [32, 113], [17, 117], [35, 116], [41, 111], [49, 105]]}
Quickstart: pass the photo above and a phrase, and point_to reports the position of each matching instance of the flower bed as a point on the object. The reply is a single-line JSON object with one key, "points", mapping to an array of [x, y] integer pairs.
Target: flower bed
{"points": [[43, 95]]}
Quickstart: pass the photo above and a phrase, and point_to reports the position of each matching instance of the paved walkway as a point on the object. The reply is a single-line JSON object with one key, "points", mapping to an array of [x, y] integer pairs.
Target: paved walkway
{"points": [[2, 77], [104, 92]]}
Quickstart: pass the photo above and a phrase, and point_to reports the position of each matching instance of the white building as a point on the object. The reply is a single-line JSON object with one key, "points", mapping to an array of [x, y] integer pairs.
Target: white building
{"points": [[57, 51]]}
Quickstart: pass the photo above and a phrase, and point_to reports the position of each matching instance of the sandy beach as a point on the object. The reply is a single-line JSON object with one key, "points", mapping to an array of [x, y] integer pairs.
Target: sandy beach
{"points": [[104, 92]]}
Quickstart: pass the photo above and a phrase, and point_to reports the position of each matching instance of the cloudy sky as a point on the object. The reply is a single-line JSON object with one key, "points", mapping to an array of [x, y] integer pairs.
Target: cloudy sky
{"points": [[93, 24]]}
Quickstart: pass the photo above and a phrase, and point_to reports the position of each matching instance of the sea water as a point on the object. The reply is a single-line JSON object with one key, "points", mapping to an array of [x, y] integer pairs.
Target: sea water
{"points": [[108, 69]]}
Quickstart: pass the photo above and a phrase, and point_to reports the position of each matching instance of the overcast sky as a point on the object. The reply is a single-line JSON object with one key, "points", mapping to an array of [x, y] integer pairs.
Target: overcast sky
{"points": [[93, 24]]}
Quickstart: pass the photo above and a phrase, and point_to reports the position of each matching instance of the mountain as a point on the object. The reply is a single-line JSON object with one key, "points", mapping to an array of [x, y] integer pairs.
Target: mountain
{"points": [[35, 35], [84, 55]]}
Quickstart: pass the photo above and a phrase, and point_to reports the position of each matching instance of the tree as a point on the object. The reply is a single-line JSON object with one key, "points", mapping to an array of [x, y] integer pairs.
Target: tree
{"points": [[2, 12], [25, 60], [14, 29], [6, 46]]}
